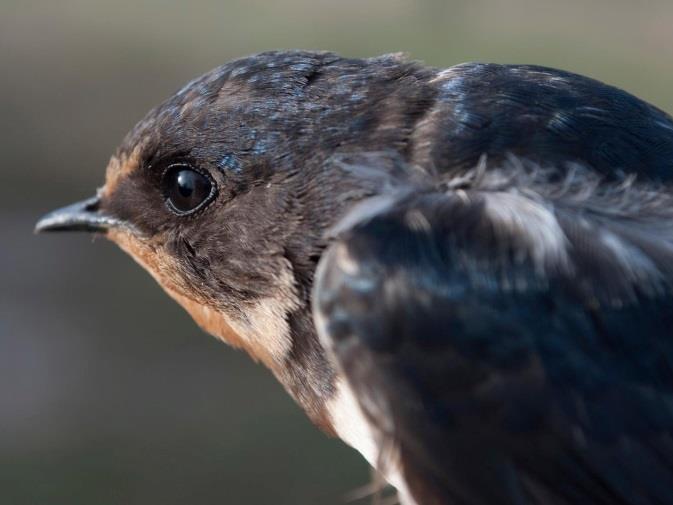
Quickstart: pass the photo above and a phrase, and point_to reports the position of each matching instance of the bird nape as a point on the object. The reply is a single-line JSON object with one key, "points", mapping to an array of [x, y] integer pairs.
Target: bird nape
{"points": [[466, 274]]}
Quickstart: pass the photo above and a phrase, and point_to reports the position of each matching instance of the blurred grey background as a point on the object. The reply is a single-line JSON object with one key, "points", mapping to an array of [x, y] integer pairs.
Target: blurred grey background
{"points": [[109, 394]]}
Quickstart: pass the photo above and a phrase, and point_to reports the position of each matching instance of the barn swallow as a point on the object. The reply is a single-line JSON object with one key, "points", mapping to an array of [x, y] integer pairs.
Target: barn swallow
{"points": [[465, 274]]}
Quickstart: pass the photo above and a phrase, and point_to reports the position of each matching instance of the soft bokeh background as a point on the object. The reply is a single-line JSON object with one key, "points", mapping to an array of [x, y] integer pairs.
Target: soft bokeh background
{"points": [[109, 394]]}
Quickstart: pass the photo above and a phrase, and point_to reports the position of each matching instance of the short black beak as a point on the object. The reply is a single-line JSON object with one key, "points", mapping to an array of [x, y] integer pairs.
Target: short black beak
{"points": [[80, 216]]}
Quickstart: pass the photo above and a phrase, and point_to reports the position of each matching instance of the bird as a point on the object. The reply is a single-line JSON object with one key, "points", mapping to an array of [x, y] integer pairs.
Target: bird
{"points": [[466, 274]]}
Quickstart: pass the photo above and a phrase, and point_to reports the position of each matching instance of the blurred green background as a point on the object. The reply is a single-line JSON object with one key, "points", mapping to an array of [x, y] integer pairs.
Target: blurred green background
{"points": [[109, 394]]}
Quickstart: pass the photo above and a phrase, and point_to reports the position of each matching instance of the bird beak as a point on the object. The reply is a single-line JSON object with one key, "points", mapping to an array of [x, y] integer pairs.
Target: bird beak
{"points": [[80, 216]]}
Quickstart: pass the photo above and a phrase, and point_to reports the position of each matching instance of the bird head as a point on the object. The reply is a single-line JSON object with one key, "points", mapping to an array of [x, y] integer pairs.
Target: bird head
{"points": [[223, 195]]}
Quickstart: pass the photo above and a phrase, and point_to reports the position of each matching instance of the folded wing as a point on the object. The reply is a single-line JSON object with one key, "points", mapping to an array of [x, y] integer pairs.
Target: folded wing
{"points": [[509, 336]]}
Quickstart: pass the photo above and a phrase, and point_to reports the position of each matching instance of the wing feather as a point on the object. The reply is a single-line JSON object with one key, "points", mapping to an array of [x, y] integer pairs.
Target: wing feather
{"points": [[509, 336]]}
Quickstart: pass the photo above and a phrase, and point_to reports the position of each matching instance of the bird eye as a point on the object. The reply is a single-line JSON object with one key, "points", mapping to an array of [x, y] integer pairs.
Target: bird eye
{"points": [[186, 189]]}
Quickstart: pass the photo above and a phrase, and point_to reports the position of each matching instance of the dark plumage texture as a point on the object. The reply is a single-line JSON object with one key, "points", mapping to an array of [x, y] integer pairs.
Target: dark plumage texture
{"points": [[502, 375], [549, 116]]}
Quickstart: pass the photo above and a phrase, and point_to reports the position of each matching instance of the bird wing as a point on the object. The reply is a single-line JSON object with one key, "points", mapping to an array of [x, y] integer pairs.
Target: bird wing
{"points": [[548, 115], [509, 336]]}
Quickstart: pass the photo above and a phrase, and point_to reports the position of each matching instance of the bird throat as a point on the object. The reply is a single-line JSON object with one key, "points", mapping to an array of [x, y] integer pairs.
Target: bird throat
{"points": [[276, 331]]}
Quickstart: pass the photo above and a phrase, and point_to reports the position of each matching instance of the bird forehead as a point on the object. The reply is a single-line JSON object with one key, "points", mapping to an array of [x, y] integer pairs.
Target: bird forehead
{"points": [[183, 124], [121, 166], [226, 106]]}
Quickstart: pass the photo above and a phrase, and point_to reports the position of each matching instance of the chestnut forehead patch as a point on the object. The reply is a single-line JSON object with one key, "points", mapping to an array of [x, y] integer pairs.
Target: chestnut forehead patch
{"points": [[121, 165]]}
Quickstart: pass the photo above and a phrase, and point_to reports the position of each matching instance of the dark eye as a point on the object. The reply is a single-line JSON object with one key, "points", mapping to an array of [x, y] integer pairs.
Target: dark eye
{"points": [[186, 189]]}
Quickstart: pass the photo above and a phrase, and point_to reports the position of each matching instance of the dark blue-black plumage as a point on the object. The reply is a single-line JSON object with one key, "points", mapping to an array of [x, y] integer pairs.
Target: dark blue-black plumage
{"points": [[504, 376], [550, 116]]}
